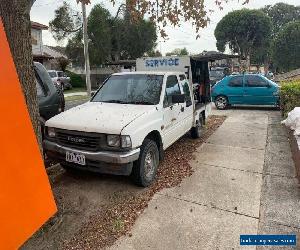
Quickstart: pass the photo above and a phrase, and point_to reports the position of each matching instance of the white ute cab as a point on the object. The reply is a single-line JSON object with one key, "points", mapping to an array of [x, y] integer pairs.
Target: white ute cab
{"points": [[126, 126]]}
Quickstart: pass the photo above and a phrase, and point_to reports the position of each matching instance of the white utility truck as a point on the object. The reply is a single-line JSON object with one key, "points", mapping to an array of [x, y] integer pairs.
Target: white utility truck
{"points": [[126, 126]]}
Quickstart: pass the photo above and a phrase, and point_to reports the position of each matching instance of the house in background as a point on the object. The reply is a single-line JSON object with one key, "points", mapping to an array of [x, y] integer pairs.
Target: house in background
{"points": [[46, 55]]}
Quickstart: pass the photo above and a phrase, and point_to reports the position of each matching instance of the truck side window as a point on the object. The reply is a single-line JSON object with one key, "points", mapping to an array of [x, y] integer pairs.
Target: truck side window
{"points": [[186, 91], [172, 88], [182, 77]]}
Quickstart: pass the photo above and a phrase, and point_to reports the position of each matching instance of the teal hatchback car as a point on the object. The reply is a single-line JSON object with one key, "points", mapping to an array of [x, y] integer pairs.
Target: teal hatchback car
{"points": [[245, 89]]}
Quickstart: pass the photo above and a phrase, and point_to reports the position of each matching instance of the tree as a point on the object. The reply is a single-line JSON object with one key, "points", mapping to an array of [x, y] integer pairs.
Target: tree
{"points": [[244, 31], [110, 37], [15, 17], [178, 52], [154, 53], [99, 32], [65, 22], [63, 63], [286, 47], [74, 49], [281, 14], [140, 37]]}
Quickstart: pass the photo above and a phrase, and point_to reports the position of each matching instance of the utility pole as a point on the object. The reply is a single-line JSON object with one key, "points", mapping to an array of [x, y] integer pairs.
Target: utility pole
{"points": [[86, 50]]}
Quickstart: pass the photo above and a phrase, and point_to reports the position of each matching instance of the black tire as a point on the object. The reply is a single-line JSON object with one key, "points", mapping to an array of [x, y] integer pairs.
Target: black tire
{"points": [[196, 132], [221, 102], [69, 169], [140, 174]]}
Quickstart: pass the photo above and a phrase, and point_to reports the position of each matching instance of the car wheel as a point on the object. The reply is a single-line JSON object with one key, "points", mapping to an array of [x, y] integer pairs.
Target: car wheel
{"points": [[145, 168], [197, 131], [221, 102]]}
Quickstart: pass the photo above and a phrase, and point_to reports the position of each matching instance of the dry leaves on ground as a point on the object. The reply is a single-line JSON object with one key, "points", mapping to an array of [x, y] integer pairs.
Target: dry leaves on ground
{"points": [[105, 227]]}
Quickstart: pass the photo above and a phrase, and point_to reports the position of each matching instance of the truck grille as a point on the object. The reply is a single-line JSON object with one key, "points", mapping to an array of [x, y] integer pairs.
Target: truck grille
{"points": [[79, 140]]}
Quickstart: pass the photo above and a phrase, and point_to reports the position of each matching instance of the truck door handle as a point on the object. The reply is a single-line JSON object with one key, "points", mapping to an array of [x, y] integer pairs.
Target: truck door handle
{"points": [[182, 108]]}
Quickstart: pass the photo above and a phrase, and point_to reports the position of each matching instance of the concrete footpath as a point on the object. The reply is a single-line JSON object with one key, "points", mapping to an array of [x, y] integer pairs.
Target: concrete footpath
{"points": [[244, 183]]}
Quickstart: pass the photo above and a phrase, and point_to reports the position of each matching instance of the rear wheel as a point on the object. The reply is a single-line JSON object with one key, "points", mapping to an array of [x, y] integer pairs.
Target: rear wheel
{"points": [[145, 168], [221, 102], [197, 131]]}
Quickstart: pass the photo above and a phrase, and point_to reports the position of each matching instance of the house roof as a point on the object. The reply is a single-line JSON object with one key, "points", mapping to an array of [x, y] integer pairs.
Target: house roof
{"points": [[38, 26], [52, 52]]}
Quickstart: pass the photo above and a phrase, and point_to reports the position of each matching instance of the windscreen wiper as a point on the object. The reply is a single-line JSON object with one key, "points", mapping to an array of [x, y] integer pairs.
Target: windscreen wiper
{"points": [[114, 101], [142, 102]]}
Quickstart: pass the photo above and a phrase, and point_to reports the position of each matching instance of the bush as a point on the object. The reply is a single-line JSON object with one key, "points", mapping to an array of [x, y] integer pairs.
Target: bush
{"points": [[289, 96], [76, 80]]}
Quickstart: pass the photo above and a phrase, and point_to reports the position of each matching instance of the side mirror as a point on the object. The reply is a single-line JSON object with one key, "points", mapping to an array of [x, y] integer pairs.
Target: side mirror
{"points": [[178, 98], [93, 93]]}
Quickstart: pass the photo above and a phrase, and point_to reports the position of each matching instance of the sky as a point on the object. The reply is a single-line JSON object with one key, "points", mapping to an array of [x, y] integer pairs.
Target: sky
{"points": [[179, 37]]}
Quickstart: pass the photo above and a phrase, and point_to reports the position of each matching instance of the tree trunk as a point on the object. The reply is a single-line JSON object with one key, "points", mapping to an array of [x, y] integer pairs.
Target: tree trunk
{"points": [[16, 20]]}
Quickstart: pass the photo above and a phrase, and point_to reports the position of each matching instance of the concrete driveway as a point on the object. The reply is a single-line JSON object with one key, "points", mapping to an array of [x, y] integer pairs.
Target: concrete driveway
{"points": [[244, 183]]}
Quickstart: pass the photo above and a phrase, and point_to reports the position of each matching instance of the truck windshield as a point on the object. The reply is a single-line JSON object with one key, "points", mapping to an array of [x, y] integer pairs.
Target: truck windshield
{"points": [[131, 89]]}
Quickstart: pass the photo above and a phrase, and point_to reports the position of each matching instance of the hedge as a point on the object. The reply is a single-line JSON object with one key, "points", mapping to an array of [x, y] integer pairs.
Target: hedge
{"points": [[289, 96], [76, 80]]}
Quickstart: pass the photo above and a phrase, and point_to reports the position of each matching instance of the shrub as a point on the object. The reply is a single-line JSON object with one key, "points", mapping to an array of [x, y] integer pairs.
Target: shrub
{"points": [[76, 80], [289, 96]]}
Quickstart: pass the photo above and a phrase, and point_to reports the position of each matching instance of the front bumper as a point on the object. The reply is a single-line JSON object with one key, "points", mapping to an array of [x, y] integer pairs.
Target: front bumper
{"points": [[101, 161]]}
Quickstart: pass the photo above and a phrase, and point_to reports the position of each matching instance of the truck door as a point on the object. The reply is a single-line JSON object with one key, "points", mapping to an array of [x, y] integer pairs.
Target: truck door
{"points": [[187, 107], [171, 122]]}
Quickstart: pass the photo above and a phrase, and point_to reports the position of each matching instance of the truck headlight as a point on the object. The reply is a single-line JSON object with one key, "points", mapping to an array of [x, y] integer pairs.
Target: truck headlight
{"points": [[113, 140], [126, 141], [51, 132], [123, 141]]}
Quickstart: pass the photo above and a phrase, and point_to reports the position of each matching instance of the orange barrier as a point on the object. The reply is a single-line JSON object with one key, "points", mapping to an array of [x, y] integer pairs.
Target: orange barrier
{"points": [[26, 200]]}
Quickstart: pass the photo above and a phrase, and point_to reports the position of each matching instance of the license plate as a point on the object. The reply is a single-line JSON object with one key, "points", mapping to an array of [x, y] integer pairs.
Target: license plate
{"points": [[75, 158]]}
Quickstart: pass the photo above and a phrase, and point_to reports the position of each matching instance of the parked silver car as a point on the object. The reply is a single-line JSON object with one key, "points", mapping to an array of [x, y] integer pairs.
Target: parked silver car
{"points": [[61, 79]]}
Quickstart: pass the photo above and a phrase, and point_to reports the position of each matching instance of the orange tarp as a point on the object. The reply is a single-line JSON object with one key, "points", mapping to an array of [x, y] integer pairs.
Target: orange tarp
{"points": [[26, 200]]}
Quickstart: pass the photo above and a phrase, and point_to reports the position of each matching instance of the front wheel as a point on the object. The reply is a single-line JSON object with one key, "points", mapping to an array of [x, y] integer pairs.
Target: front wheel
{"points": [[145, 168], [221, 102]]}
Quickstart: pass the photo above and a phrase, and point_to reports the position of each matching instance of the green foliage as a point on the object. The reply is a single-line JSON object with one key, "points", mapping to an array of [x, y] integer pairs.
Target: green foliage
{"points": [[138, 38], [178, 52], [110, 38], [76, 80], [63, 63], [74, 49], [281, 14], [289, 96], [99, 32], [286, 47], [154, 53], [65, 22], [243, 31]]}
